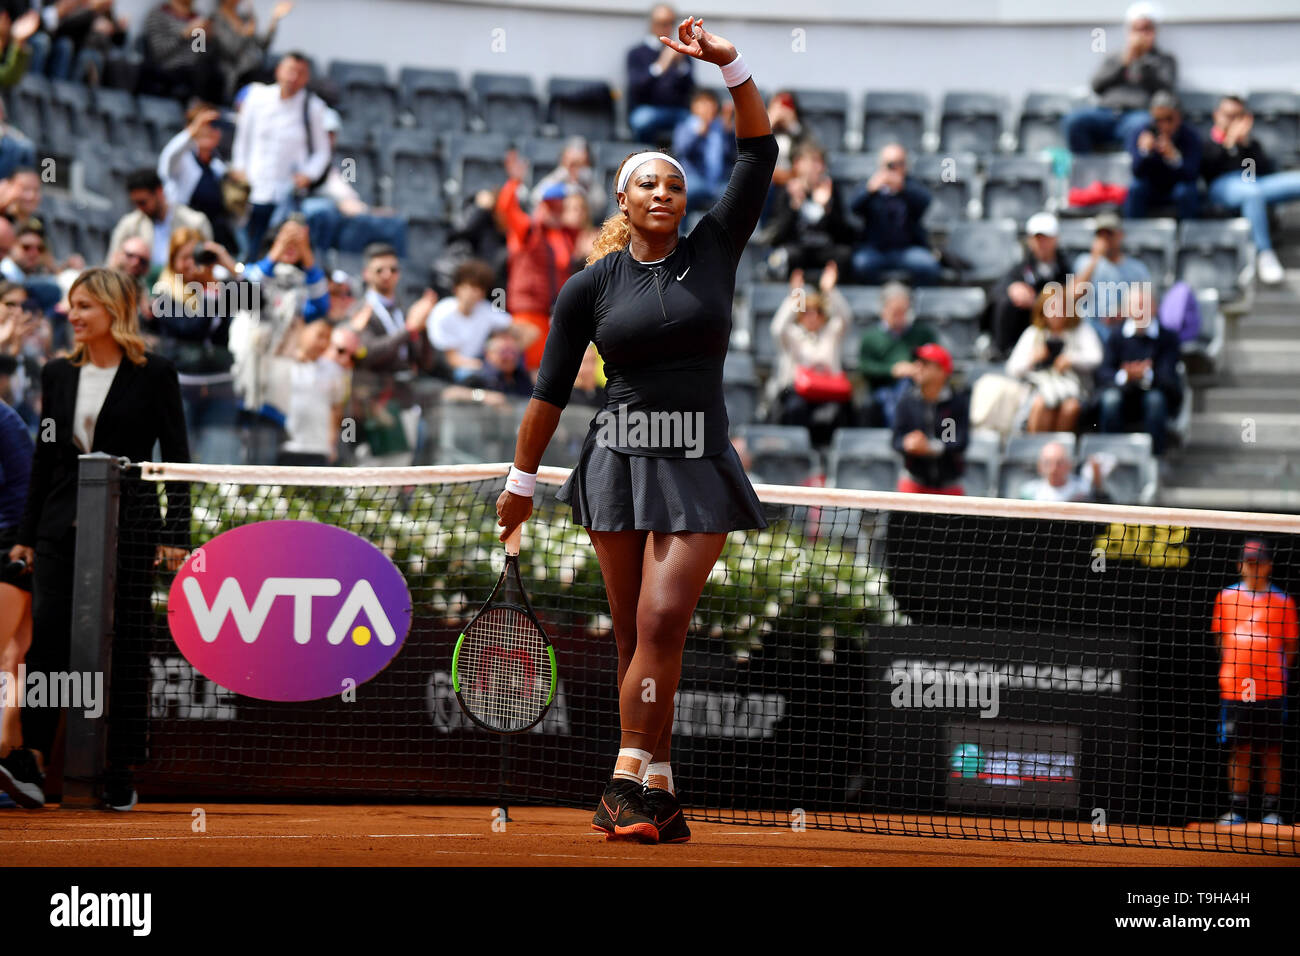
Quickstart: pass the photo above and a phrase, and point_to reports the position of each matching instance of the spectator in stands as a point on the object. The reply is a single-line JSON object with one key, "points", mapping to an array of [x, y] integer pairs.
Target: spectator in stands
{"points": [[174, 64], [887, 350], [1228, 152], [659, 81], [1139, 380], [783, 114], [1013, 301], [344, 346], [502, 377], [806, 225], [25, 341], [292, 290], [1256, 630], [83, 32], [1124, 83], [475, 234], [1103, 274], [16, 150], [932, 427], [192, 171], [809, 330], [395, 342], [133, 259], [1058, 356], [459, 326], [281, 146], [154, 218], [576, 171], [1057, 480], [318, 391], [541, 250], [192, 311], [343, 296], [15, 50], [1166, 163], [893, 238], [587, 390], [20, 194], [29, 265], [239, 48], [576, 216], [706, 149]]}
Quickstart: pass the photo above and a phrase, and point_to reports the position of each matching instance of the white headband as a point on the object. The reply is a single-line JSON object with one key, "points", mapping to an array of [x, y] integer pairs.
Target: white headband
{"points": [[641, 159]]}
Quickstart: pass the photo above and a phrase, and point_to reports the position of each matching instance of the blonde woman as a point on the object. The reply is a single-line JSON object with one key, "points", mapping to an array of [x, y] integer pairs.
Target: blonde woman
{"points": [[1057, 356], [809, 330], [110, 396]]}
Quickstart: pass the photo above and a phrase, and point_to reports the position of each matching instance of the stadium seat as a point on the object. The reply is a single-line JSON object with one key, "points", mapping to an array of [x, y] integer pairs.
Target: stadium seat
{"points": [[580, 107], [955, 314], [782, 454], [425, 238], [1020, 460], [69, 116], [983, 456], [762, 301], [863, 459], [951, 182], [359, 163], [1277, 123], [115, 119], [1198, 108], [1039, 126], [740, 389], [990, 246], [506, 103], [1155, 242], [411, 159], [163, 118], [1101, 168], [469, 432], [824, 114], [1212, 254], [475, 161], [894, 117], [29, 106], [1075, 236], [1207, 348], [971, 122], [435, 98], [366, 96], [1134, 478], [1016, 187], [850, 172]]}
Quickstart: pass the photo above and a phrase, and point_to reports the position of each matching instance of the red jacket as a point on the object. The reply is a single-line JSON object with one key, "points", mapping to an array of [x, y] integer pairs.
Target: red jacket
{"points": [[539, 255]]}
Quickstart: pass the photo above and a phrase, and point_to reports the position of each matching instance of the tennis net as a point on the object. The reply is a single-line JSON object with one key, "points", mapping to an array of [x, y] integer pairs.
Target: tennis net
{"points": [[871, 661]]}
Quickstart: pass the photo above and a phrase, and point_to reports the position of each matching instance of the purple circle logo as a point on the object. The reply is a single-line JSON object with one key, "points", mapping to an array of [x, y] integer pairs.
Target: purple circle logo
{"points": [[289, 610]]}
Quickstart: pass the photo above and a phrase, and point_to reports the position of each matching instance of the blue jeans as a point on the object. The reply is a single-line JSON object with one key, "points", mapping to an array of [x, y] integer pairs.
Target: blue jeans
{"points": [[1142, 195], [918, 261], [886, 398], [648, 122], [1120, 406], [259, 220], [1252, 198], [1088, 129], [16, 152]]}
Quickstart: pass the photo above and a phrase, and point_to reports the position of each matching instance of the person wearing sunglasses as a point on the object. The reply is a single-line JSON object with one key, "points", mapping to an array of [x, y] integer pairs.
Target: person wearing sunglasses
{"points": [[890, 208]]}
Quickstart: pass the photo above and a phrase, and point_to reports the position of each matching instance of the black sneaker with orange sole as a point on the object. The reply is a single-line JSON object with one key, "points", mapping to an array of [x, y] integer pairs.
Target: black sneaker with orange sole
{"points": [[622, 813], [666, 811]]}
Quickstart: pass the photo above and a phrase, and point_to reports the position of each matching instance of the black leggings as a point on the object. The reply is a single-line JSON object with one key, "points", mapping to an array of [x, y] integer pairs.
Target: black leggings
{"points": [[127, 709]]}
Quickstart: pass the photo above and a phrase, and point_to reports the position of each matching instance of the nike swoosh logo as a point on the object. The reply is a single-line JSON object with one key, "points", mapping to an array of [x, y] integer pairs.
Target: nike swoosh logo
{"points": [[683, 275], [614, 817]]}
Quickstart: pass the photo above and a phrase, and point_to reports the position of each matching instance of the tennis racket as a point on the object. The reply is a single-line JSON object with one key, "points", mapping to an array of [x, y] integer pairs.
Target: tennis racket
{"points": [[503, 668]]}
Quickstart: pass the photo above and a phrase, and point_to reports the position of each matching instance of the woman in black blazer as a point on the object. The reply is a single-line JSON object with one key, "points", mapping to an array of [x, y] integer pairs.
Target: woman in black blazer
{"points": [[130, 399]]}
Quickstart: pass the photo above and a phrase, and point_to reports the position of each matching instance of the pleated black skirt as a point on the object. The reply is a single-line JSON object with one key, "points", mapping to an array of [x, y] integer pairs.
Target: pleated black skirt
{"points": [[612, 491]]}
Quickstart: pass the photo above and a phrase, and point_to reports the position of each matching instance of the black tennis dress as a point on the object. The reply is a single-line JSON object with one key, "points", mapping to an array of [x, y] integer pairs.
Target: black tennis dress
{"points": [[657, 457]]}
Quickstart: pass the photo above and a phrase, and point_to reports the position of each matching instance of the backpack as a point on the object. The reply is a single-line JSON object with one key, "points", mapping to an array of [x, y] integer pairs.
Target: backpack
{"points": [[1180, 312]]}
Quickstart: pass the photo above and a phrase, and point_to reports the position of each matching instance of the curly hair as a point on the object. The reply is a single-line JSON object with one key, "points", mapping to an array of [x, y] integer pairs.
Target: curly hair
{"points": [[616, 231]]}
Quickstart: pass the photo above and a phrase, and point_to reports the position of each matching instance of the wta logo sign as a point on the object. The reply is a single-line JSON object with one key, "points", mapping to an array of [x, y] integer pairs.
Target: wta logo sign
{"points": [[289, 610]]}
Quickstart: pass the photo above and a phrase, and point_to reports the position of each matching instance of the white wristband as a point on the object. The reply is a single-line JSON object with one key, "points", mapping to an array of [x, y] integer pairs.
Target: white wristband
{"points": [[735, 72], [520, 482]]}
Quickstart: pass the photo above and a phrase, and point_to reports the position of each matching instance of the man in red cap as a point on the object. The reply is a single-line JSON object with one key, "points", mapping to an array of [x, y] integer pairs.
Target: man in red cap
{"points": [[932, 427], [1256, 628]]}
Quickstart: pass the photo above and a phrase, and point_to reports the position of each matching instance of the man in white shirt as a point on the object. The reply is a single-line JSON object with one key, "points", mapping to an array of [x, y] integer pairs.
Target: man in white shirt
{"points": [[281, 145], [1057, 481], [459, 326]]}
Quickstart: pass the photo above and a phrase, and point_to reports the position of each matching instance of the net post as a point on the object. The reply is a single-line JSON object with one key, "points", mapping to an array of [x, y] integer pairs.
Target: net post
{"points": [[93, 590]]}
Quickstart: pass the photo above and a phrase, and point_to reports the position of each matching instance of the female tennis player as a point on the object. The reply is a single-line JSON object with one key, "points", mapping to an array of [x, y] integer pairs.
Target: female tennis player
{"points": [[657, 484]]}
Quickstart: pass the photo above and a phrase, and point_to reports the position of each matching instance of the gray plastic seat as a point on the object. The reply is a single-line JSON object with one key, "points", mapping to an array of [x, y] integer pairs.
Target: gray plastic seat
{"points": [[983, 456], [1016, 187], [580, 107], [506, 103], [1212, 254], [435, 98], [950, 180], [971, 122], [894, 117], [824, 113], [1039, 125], [1277, 123], [990, 246], [1133, 480]]}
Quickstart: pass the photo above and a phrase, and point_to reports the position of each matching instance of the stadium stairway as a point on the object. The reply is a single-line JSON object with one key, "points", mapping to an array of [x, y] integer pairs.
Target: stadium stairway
{"points": [[1244, 449]]}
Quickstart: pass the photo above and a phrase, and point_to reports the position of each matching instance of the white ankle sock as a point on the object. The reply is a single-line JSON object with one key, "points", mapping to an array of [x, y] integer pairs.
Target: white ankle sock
{"points": [[631, 764]]}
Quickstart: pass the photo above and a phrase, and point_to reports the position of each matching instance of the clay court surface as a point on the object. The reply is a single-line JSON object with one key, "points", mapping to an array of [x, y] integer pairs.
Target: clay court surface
{"points": [[161, 834]]}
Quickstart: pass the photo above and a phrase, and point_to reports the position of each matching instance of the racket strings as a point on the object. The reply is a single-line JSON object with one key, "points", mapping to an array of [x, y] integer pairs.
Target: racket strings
{"points": [[505, 669]]}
